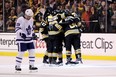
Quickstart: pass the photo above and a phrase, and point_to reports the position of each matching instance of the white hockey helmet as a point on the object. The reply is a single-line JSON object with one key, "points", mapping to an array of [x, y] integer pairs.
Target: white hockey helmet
{"points": [[29, 12]]}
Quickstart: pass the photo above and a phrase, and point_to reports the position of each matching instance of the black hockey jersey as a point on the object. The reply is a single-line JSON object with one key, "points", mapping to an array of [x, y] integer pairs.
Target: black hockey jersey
{"points": [[43, 29], [70, 26], [53, 28]]}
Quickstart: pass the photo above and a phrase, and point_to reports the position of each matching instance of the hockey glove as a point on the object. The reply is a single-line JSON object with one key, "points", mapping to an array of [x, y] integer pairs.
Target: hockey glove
{"points": [[23, 35], [34, 36]]}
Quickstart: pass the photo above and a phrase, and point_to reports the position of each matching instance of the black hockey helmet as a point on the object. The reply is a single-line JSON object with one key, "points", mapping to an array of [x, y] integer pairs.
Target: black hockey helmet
{"points": [[49, 9], [67, 13]]}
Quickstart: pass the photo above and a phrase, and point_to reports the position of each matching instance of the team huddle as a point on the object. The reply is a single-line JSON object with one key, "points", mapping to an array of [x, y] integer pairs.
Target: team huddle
{"points": [[59, 28]]}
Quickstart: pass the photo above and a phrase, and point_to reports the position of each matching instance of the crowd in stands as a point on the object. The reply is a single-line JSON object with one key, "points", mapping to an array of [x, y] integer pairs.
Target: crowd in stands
{"points": [[99, 15]]}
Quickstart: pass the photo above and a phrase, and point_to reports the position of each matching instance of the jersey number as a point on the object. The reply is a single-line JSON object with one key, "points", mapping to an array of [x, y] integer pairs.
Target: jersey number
{"points": [[73, 26]]}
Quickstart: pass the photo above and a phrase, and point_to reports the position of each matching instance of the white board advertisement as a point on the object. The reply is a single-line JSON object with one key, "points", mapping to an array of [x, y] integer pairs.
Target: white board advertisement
{"points": [[91, 44], [8, 43], [98, 44]]}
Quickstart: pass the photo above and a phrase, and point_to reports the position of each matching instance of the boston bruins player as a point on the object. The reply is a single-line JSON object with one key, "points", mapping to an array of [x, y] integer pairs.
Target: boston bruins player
{"points": [[44, 32], [80, 26], [54, 31], [37, 21], [72, 37]]}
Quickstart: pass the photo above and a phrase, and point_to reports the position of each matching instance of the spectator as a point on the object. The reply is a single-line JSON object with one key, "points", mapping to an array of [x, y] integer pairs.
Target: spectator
{"points": [[102, 21], [1, 22], [19, 11], [94, 21], [85, 17], [102, 16], [20, 2], [109, 16], [113, 19], [7, 11], [1, 6], [11, 21], [71, 5], [81, 8]]}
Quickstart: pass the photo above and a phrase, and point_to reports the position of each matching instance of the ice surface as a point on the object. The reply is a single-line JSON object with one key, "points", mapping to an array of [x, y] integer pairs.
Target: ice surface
{"points": [[89, 68]]}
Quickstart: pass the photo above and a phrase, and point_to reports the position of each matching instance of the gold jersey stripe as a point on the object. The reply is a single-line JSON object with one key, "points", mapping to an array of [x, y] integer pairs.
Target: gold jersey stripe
{"points": [[58, 26], [41, 29], [44, 36], [53, 32], [74, 31]]}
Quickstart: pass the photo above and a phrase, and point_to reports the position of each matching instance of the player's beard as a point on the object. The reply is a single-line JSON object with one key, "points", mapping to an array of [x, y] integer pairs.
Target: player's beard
{"points": [[27, 17]]}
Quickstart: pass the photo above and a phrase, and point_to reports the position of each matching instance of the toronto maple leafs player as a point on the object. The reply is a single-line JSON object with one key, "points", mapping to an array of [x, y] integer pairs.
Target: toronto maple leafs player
{"points": [[25, 39]]}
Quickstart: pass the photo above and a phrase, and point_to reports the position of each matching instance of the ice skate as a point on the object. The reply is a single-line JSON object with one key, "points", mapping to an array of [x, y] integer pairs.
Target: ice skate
{"points": [[18, 69], [79, 60], [70, 62], [45, 62], [33, 69], [53, 63], [59, 63]]}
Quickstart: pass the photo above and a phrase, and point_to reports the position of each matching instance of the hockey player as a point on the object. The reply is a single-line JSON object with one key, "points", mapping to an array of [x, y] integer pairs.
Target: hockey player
{"points": [[24, 39], [72, 37], [44, 32], [80, 27], [57, 17], [51, 17], [43, 29], [37, 21], [54, 31]]}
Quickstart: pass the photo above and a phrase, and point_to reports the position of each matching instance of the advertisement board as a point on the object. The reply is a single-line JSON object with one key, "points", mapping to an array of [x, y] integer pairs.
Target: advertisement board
{"points": [[98, 44], [91, 44], [8, 43]]}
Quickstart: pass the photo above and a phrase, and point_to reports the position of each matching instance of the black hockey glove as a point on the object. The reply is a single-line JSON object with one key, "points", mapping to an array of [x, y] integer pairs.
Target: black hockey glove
{"points": [[34, 36], [23, 35]]}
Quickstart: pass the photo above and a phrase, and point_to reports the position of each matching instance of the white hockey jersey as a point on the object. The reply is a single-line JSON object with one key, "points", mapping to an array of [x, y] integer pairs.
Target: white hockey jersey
{"points": [[24, 26]]}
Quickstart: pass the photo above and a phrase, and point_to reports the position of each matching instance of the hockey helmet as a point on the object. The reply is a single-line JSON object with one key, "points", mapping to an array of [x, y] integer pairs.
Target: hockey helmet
{"points": [[29, 12], [67, 13]]}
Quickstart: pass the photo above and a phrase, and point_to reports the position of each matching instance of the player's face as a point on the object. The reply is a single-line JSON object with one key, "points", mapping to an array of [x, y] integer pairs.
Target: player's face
{"points": [[27, 17]]}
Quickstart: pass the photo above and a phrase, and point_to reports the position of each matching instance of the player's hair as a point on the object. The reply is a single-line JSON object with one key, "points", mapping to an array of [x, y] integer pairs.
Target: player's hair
{"points": [[24, 7]]}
